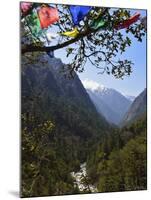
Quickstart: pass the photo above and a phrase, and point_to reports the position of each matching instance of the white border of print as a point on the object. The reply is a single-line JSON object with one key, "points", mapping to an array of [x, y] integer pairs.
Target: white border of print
{"points": [[9, 100]]}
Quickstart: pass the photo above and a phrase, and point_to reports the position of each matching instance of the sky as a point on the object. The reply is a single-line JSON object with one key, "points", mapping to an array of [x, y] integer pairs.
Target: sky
{"points": [[131, 85]]}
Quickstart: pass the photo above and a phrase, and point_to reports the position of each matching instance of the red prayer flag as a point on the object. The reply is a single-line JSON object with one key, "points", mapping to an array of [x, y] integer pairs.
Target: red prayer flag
{"points": [[25, 7], [47, 16], [128, 22]]}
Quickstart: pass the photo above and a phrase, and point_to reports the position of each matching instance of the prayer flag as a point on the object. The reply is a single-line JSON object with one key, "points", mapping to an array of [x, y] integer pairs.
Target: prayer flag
{"points": [[34, 23], [47, 16], [97, 23], [73, 33], [25, 7], [126, 23], [79, 12]]}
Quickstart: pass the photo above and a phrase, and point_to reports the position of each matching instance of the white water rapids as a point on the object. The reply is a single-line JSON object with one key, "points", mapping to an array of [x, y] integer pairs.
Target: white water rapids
{"points": [[81, 180]]}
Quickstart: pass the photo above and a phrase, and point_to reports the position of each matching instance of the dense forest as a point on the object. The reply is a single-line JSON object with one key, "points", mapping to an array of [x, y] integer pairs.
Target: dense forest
{"points": [[120, 160]]}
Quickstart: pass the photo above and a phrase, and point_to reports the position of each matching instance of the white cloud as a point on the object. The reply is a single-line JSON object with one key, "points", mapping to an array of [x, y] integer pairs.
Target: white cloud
{"points": [[92, 85]]}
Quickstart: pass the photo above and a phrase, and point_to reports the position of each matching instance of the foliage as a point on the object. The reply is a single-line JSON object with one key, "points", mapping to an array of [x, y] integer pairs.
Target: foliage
{"points": [[44, 172], [101, 47], [123, 167], [57, 135]]}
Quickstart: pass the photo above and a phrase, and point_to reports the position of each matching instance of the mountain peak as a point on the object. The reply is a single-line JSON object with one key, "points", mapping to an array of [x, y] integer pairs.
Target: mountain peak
{"points": [[93, 86], [109, 102]]}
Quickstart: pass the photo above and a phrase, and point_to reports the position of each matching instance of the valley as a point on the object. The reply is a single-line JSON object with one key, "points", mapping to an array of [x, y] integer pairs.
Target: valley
{"points": [[70, 143]]}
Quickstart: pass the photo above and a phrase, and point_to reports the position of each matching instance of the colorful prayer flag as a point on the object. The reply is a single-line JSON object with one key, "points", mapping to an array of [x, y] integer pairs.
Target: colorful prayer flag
{"points": [[34, 23], [97, 23], [126, 23], [25, 7], [73, 33], [47, 16], [78, 13]]}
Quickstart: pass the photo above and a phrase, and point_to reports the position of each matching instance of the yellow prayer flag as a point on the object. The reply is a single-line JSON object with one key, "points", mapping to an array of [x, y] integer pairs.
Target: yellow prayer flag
{"points": [[73, 33]]}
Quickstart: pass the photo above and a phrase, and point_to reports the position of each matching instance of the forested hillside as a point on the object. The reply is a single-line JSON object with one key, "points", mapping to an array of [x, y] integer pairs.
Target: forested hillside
{"points": [[119, 162], [59, 126]]}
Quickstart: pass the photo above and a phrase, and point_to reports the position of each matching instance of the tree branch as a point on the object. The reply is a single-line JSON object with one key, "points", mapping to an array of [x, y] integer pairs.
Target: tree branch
{"points": [[31, 48]]}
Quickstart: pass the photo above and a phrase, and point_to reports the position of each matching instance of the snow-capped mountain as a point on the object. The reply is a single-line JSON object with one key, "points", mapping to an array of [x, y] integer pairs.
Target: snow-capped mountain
{"points": [[109, 102]]}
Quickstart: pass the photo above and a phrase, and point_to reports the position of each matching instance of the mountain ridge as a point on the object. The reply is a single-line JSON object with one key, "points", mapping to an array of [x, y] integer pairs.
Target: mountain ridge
{"points": [[130, 97], [109, 102], [137, 109], [48, 80]]}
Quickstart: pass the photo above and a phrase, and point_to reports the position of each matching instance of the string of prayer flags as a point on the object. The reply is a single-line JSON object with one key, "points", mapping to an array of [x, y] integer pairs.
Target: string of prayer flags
{"points": [[73, 33], [126, 23], [78, 13], [97, 23], [34, 23], [47, 16], [25, 7]]}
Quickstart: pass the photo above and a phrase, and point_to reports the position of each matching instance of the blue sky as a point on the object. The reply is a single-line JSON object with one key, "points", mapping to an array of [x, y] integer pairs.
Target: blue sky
{"points": [[131, 85]]}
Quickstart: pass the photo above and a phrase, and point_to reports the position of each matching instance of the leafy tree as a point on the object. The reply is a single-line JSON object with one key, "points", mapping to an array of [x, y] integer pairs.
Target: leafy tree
{"points": [[43, 171], [35, 153], [134, 164], [111, 177], [101, 46]]}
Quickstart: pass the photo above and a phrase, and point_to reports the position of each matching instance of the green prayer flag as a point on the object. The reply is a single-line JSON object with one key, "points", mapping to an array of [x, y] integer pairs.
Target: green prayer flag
{"points": [[97, 23], [34, 24]]}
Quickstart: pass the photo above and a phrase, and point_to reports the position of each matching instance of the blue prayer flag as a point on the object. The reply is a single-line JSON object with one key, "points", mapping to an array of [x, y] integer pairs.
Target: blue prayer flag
{"points": [[78, 13]]}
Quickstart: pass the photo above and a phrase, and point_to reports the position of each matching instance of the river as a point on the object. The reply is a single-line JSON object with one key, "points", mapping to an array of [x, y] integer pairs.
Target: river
{"points": [[81, 180]]}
